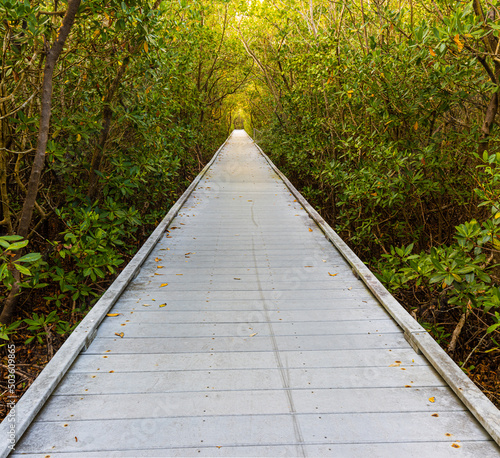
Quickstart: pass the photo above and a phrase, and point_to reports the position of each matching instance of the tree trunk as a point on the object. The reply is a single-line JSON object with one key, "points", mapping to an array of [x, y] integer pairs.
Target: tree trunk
{"points": [[43, 134], [107, 115]]}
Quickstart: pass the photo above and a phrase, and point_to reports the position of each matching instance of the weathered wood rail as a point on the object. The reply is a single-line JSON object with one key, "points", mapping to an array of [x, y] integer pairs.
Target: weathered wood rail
{"points": [[246, 327]]}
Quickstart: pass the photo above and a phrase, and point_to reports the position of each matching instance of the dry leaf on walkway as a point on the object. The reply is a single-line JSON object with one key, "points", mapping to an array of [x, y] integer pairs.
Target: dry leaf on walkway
{"points": [[432, 399], [332, 275], [310, 230], [119, 334], [146, 305], [254, 334], [162, 305], [159, 267], [157, 259], [113, 314], [163, 284]]}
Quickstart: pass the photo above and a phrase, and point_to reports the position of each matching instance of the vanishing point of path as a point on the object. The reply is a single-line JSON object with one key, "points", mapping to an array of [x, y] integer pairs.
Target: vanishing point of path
{"points": [[247, 334]]}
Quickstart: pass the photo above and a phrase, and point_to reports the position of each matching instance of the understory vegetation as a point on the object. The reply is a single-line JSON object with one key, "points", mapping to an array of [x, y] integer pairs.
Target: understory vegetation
{"points": [[383, 113]]}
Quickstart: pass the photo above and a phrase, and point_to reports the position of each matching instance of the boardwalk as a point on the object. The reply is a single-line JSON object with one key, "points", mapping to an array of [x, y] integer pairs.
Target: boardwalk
{"points": [[247, 334]]}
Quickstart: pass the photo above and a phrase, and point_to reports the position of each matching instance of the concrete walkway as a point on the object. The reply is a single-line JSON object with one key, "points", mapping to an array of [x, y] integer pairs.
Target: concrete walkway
{"points": [[247, 334]]}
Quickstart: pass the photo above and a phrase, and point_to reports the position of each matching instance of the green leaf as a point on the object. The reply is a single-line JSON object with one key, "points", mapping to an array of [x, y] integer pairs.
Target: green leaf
{"points": [[18, 245], [22, 269], [11, 238], [30, 257], [492, 328]]}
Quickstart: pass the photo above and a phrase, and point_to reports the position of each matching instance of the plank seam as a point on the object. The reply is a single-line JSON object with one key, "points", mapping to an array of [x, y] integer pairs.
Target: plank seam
{"points": [[478, 404], [35, 397]]}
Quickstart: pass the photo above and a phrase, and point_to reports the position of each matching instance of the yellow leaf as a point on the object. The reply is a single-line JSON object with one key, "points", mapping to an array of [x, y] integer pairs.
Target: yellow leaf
{"points": [[157, 129], [432, 399], [254, 334], [113, 314], [460, 45], [163, 305], [157, 259], [416, 126], [310, 230], [433, 54], [163, 284], [96, 33], [119, 334], [146, 49], [497, 215], [434, 415], [146, 305], [78, 137], [159, 267], [455, 445], [332, 275]]}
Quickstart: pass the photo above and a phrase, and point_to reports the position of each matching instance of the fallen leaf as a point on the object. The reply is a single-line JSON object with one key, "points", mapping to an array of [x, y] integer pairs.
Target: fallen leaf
{"points": [[179, 274], [394, 365], [398, 362], [159, 267], [111, 372], [156, 273], [432, 399], [146, 305], [332, 275], [236, 278], [163, 284], [310, 230], [435, 415], [407, 386], [119, 334], [254, 334], [163, 305], [76, 439], [157, 259], [350, 287], [113, 314], [455, 445]]}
